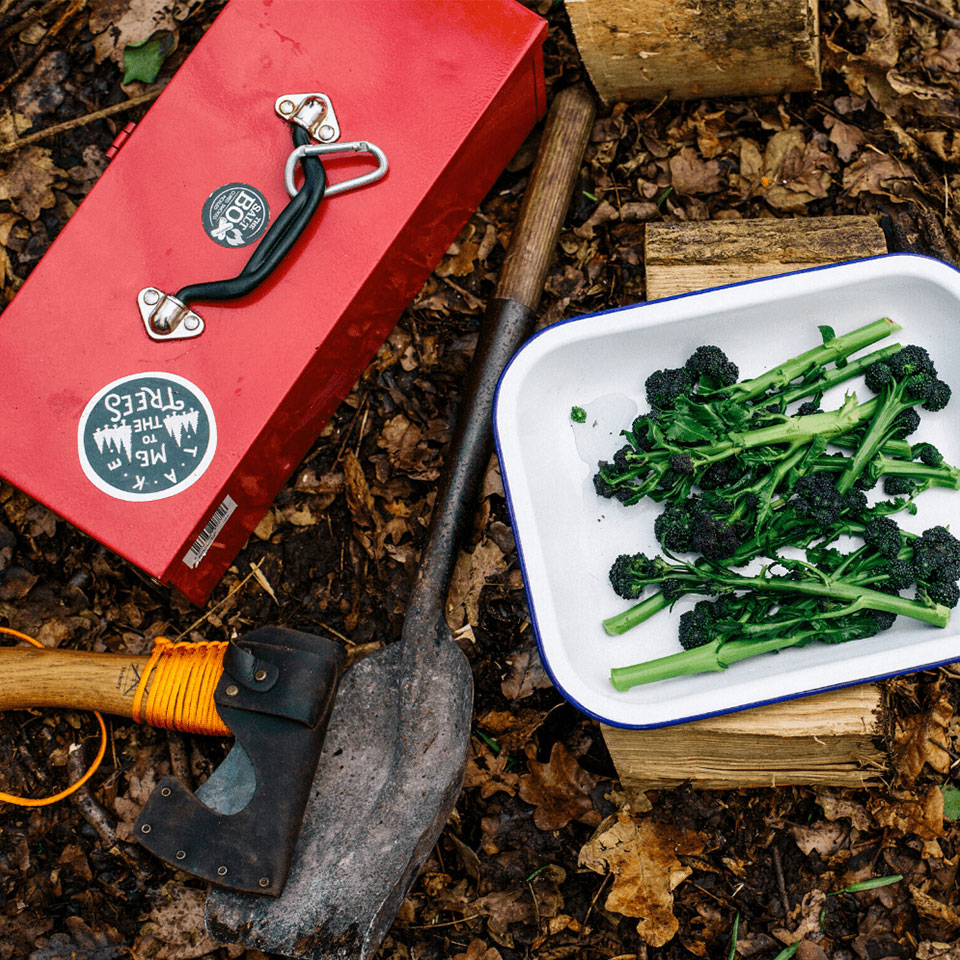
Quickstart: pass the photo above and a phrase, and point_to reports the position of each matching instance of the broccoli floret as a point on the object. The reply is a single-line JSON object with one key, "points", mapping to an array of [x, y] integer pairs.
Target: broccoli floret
{"points": [[936, 395], [665, 386], [698, 626], [926, 453], [945, 592], [883, 535], [715, 538], [627, 570], [877, 376], [675, 526], [721, 474], [578, 415], [936, 556], [900, 574], [909, 361], [682, 463], [905, 424], [713, 363], [808, 408], [603, 487], [853, 502], [673, 589], [816, 497], [898, 486]]}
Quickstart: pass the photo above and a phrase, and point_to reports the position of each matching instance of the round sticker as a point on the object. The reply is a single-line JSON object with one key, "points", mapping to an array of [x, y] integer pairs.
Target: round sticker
{"points": [[146, 436], [235, 215]]}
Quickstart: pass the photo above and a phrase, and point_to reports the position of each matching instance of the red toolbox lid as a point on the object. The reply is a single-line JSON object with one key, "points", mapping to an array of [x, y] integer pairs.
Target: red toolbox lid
{"points": [[87, 396]]}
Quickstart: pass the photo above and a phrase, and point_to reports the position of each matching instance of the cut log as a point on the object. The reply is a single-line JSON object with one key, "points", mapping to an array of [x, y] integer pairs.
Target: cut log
{"points": [[649, 49], [838, 738], [681, 257]]}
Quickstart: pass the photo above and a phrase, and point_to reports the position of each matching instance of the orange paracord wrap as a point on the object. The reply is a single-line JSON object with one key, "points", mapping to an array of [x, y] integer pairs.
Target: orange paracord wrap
{"points": [[180, 696]]}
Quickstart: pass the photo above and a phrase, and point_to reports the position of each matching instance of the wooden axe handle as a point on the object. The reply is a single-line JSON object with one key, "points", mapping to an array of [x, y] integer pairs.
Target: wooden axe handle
{"points": [[70, 679]]}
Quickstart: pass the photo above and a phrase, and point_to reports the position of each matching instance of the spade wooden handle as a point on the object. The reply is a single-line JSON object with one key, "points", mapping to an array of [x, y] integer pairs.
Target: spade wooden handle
{"points": [[70, 679]]}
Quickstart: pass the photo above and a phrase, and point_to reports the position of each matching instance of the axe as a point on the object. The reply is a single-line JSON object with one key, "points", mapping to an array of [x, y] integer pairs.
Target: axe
{"points": [[272, 689]]}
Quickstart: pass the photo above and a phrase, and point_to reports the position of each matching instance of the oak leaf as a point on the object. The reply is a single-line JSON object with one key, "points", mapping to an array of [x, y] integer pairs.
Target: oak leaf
{"points": [[28, 181], [560, 789], [921, 739], [524, 675], [175, 929], [470, 575], [643, 858], [690, 175], [488, 771]]}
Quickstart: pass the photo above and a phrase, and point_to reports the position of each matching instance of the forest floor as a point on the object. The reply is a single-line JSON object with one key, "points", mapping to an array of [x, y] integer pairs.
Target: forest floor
{"points": [[516, 872]]}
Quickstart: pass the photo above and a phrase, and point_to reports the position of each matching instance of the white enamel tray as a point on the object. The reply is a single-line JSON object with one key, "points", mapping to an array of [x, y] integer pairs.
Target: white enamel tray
{"points": [[568, 536]]}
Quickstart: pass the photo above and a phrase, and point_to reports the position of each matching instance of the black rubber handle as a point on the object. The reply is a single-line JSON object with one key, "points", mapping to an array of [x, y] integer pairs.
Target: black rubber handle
{"points": [[507, 323]]}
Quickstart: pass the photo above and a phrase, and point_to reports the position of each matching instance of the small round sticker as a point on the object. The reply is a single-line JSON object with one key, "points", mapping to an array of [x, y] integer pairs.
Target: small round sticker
{"points": [[235, 215], [147, 436]]}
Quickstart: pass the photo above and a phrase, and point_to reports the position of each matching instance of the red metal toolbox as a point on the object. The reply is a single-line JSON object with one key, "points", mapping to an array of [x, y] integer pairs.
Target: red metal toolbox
{"points": [[169, 451]]}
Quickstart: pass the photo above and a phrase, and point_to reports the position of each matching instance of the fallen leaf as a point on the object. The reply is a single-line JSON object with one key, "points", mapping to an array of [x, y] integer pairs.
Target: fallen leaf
{"points": [[175, 929], [488, 771], [81, 942], [934, 910], [921, 739], [28, 180], [512, 729], [502, 908], [932, 950], [115, 24], [806, 916], [904, 813], [560, 789], [844, 136], [469, 578], [478, 950], [142, 61], [642, 855], [826, 838], [525, 674], [837, 808], [690, 175], [42, 92], [947, 56], [604, 213], [876, 173]]}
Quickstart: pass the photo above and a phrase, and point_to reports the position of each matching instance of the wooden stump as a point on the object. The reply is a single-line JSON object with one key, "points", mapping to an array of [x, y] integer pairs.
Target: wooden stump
{"points": [[839, 738], [648, 49]]}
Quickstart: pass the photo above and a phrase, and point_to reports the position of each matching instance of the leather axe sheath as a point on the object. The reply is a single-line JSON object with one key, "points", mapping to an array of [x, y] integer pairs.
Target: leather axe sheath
{"points": [[275, 695]]}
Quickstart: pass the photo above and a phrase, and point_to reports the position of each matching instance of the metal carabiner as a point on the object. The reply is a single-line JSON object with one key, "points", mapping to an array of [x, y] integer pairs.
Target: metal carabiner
{"points": [[319, 149]]}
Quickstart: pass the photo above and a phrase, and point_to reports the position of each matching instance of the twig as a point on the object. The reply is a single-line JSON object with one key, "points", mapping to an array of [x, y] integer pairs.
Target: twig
{"points": [[934, 12], [75, 7], [196, 623], [596, 896], [57, 128], [90, 809], [781, 883], [32, 17]]}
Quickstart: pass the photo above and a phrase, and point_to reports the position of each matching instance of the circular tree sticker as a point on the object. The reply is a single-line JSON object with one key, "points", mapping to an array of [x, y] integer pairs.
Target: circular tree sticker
{"points": [[235, 215], [146, 436]]}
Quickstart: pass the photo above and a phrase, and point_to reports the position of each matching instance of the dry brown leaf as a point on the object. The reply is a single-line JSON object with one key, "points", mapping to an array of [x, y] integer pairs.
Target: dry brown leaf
{"points": [[27, 181], [642, 856], [81, 942], [932, 950], [825, 838], [945, 145], [947, 57], [469, 578], [838, 808], [175, 930], [502, 908], [795, 171], [922, 738], [117, 23], [512, 729], [904, 812], [488, 771], [690, 175], [604, 213], [932, 909], [874, 172], [844, 136], [560, 789], [524, 675], [478, 950], [807, 917]]}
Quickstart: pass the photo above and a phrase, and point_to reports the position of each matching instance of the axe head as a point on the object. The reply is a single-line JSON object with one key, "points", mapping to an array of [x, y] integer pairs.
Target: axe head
{"points": [[239, 830], [388, 779]]}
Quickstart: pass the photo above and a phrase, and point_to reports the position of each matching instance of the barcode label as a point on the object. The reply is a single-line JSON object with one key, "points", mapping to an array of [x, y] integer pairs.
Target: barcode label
{"points": [[214, 525]]}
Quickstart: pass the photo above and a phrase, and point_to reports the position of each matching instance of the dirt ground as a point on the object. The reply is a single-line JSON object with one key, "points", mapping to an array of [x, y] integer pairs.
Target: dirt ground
{"points": [[519, 871]]}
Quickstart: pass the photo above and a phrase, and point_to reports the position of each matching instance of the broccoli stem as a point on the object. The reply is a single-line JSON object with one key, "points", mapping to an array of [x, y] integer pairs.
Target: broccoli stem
{"points": [[942, 476], [639, 612], [836, 375], [887, 408], [710, 658], [836, 349]]}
